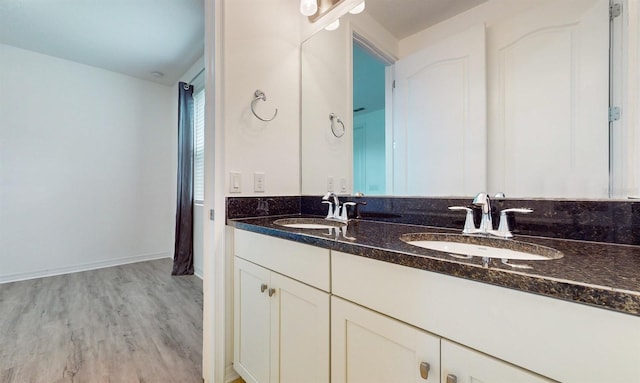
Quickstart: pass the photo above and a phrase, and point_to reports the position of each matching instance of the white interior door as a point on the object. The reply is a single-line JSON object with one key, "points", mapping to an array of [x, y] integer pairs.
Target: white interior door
{"points": [[440, 118], [549, 88]]}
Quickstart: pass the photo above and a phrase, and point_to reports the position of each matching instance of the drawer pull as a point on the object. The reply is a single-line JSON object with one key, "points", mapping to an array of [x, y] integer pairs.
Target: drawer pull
{"points": [[272, 292], [452, 378], [263, 287], [424, 370]]}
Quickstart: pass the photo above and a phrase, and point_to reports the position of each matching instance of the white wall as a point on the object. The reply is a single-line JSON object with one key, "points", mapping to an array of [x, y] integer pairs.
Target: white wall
{"points": [[87, 166], [257, 47], [262, 51]]}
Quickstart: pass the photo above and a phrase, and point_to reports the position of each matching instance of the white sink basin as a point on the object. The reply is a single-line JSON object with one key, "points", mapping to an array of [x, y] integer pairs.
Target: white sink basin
{"points": [[477, 250], [477, 246], [307, 223]]}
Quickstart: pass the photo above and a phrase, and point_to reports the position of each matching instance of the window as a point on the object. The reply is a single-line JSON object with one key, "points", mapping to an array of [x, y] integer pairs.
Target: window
{"points": [[198, 139]]}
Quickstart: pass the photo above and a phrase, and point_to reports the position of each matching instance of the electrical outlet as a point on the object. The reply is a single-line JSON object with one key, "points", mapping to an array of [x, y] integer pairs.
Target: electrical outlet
{"points": [[235, 182], [258, 182], [330, 184], [343, 185]]}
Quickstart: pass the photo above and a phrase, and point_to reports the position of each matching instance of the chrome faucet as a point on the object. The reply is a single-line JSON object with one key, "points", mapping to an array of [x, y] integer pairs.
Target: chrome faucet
{"points": [[336, 211], [483, 200], [333, 196], [334, 206]]}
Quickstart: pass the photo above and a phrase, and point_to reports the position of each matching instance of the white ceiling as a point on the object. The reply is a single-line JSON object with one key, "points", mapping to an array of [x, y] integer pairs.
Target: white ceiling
{"points": [[405, 17], [133, 37]]}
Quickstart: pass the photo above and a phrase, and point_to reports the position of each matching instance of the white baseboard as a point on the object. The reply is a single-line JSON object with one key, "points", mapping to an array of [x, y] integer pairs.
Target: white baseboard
{"points": [[198, 273], [230, 374], [81, 267]]}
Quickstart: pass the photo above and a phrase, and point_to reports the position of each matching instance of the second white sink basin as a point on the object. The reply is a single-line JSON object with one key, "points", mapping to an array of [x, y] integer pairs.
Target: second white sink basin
{"points": [[486, 247], [476, 250]]}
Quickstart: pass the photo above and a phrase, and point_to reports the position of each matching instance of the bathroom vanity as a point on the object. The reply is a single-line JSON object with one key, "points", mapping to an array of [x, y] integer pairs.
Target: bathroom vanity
{"points": [[361, 305]]}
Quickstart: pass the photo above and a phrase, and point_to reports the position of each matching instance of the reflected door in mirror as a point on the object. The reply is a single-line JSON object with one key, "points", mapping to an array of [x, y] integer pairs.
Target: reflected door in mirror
{"points": [[550, 85], [440, 118]]}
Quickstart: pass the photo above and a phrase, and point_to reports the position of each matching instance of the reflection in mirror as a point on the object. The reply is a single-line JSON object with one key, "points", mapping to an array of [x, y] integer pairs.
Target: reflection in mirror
{"points": [[369, 130], [324, 6], [327, 158], [505, 96]]}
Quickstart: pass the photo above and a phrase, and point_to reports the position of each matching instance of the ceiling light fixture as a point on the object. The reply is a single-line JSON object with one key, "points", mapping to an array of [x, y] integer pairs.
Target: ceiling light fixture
{"points": [[357, 9], [333, 26], [308, 7]]}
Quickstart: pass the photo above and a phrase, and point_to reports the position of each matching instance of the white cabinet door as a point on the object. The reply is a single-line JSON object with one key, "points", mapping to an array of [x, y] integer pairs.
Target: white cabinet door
{"points": [[463, 365], [281, 329], [252, 327], [368, 347], [299, 332]]}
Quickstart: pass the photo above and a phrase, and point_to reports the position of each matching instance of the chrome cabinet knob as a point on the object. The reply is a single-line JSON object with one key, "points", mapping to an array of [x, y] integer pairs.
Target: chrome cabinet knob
{"points": [[263, 287], [452, 378], [272, 291], [424, 370]]}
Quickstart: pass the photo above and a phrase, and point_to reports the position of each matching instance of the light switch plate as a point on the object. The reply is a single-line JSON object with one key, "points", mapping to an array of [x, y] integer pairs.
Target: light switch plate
{"points": [[258, 182], [343, 185], [235, 182], [330, 184]]}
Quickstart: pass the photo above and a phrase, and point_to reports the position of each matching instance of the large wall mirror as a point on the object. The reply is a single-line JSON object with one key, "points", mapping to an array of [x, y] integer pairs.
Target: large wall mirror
{"points": [[450, 98]]}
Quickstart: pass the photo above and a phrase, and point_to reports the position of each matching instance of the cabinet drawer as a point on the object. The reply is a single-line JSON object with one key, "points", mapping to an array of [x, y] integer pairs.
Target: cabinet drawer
{"points": [[307, 264]]}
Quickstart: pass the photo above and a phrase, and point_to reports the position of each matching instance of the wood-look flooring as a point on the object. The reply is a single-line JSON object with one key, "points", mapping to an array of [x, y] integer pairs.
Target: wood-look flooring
{"points": [[130, 323]]}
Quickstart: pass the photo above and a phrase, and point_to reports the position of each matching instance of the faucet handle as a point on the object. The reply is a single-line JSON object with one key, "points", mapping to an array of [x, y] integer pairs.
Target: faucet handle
{"points": [[523, 210], [503, 227], [345, 213], [469, 225], [357, 212]]}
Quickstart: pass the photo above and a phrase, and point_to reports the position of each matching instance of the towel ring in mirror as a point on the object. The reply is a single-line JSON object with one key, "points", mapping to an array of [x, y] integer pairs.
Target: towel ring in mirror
{"points": [[337, 126], [259, 95]]}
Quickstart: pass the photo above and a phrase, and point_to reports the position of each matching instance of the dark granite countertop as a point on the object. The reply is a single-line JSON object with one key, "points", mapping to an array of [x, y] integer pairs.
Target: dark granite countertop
{"points": [[592, 273]]}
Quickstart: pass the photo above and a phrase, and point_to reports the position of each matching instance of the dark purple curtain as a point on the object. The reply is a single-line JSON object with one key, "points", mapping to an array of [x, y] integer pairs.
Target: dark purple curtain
{"points": [[183, 252]]}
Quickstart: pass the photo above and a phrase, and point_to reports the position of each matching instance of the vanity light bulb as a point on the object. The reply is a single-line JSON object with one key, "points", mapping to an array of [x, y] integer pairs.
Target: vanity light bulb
{"points": [[357, 9], [308, 7], [333, 26]]}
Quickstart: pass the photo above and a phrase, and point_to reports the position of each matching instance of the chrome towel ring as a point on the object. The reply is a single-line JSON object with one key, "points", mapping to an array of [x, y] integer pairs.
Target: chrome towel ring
{"points": [[335, 120], [259, 95]]}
